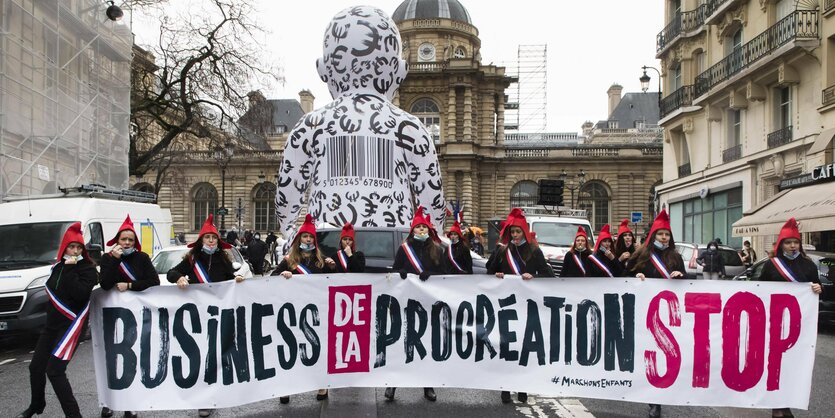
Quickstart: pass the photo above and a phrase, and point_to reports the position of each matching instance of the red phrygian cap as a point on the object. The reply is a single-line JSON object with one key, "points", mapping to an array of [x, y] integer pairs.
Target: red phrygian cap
{"points": [[423, 219], [662, 221], [516, 218], [789, 230], [127, 225], [624, 227], [209, 228], [456, 227], [309, 227], [603, 234], [73, 234], [347, 231], [581, 232]]}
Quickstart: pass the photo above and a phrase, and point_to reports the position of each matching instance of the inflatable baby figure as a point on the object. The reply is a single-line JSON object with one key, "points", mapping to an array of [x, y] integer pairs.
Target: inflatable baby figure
{"points": [[360, 158]]}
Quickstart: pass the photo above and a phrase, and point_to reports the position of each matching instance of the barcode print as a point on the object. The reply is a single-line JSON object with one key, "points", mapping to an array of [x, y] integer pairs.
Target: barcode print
{"points": [[360, 156]]}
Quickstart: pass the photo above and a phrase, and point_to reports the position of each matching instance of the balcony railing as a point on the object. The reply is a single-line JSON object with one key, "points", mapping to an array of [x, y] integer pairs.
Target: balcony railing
{"points": [[681, 97], [780, 137], [732, 154], [828, 94], [802, 24], [828, 5], [684, 170], [681, 23]]}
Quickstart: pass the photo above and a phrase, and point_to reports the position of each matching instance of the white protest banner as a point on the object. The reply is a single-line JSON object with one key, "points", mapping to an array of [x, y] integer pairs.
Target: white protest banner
{"points": [[716, 343]]}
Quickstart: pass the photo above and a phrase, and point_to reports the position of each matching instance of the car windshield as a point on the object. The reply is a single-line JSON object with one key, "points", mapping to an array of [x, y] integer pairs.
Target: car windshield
{"points": [[30, 244], [558, 234]]}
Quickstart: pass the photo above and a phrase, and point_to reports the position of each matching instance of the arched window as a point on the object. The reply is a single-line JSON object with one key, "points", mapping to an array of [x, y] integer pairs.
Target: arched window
{"points": [[143, 187], [524, 193], [595, 199], [203, 202], [430, 115], [460, 52], [263, 198]]}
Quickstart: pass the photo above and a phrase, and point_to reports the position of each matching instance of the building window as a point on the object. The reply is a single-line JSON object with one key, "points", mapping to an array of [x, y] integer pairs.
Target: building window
{"points": [[430, 115], [783, 113], [460, 52], [612, 124], [676, 78], [734, 127], [524, 194], [711, 217], [595, 199], [699, 62], [143, 187], [203, 203], [264, 207]]}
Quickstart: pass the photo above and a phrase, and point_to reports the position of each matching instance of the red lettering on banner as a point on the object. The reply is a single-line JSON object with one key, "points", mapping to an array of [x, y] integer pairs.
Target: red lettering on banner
{"points": [[349, 329], [701, 305], [776, 344], [665, 340], [747, 377]]}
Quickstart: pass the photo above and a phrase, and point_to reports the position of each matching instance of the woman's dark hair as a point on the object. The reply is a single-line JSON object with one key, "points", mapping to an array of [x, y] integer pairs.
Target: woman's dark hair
{"points": [[620, 244], [435, 249]]}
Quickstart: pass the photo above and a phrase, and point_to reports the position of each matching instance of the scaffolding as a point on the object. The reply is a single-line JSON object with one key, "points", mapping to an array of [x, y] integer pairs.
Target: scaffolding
{"points": [[64, 96], [526, 107]]}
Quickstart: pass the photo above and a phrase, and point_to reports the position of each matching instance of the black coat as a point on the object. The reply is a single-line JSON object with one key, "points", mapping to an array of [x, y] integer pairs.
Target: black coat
{"points": [[256, 250], [462, 256], [308, 263], [139, 263], [649, 269], [356, 262], [422, 250], [712, 262], [593, 270], [534, 265], [72, 284], [804, 270], [217, 265], [570, 267]]}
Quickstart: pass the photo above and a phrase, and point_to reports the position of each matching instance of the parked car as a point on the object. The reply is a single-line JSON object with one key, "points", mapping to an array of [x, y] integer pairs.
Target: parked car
{"points": [[690, 253], [380, 245], [169, 257], [825, 262]]}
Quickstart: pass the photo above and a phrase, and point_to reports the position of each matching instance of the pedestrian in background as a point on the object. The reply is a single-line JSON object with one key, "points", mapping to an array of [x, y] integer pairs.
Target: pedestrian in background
{"points": [[457, 254], [747, 255], [68, 287], [257, 253], [713, 268], [574, 263], [126, 267], [478, 247], [348, 259], [270, 241]]}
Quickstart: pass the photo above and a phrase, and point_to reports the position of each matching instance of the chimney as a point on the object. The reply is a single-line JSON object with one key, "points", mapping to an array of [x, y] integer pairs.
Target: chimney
{"points": [[614, 97], [306, 100]]}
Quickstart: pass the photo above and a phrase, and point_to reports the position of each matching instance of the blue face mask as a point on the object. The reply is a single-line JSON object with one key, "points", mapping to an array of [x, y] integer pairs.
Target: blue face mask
{"points": [[791, 255], [520, 242], [306, 247], [209, 250], [128, 251], [659, 245], [422, 237]]}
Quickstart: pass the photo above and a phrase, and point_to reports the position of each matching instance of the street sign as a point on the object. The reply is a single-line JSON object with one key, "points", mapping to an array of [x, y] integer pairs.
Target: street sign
{"points": [[222, 211], [637, 217]]}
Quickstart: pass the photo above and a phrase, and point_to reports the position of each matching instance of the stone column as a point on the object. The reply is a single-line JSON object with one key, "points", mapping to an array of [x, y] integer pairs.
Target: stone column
{"points": [[468, 113], [450, 115], [500, 119]]}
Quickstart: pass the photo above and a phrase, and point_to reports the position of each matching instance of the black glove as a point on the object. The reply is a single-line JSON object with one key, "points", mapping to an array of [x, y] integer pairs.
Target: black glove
{"points": [[402, 274], [424, 276]]}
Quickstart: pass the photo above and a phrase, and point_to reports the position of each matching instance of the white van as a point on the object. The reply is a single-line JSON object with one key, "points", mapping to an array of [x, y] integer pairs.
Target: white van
{"points": [[555, 233], [31, 230]]}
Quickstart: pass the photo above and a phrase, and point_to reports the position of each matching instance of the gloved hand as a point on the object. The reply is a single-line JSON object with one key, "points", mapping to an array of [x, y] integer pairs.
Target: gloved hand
{"points": [[424, 276], [402, 274]]}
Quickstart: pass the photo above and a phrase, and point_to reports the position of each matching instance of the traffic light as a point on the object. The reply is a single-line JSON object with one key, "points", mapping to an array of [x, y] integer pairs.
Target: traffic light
{"points": [[550, 192]]}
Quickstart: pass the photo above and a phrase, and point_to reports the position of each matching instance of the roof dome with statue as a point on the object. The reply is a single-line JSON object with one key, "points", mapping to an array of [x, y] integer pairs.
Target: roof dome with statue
{"points": [[431, 9]]}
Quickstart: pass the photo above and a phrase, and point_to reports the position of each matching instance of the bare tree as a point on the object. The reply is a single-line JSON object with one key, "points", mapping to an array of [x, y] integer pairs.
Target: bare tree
{"points": [[205, 64]]}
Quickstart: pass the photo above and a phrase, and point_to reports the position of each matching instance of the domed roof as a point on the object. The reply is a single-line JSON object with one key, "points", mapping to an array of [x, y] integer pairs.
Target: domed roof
{"points": [[431, 9]]}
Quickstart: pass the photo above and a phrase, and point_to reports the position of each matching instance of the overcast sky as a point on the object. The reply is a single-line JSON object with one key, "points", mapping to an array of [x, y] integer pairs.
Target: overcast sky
{"points": [[591, 45]]}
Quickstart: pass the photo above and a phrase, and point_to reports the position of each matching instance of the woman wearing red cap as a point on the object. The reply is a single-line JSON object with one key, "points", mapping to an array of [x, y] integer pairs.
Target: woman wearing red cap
{"points": [[348, 259], [574, 263], [517, 253], [68, 288], [602, 261], [457, 254], [206, 262], [789, 263], [625, 243], [305, 258], [420, 253], [126, 267]]}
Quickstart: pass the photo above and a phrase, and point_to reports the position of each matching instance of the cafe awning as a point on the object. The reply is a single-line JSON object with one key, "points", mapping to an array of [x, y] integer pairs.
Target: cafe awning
{"points": [[812, 206]]}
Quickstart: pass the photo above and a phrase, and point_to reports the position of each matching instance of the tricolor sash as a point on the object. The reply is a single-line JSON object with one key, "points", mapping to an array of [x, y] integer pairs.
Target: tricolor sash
{"points": [[301, 269], [410, 254], [343, 259], [200, 271], [515, 265], [784, 270], [452, 259], [659, 265], [126, 271], [601, 265], [67, 344], [579, 262]]}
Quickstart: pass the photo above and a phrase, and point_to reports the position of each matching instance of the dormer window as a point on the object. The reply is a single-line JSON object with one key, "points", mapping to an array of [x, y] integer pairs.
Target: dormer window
{"points": [[460, 52]]}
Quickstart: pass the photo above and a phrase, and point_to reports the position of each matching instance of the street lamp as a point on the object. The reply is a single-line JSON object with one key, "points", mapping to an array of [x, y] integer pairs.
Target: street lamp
{"points": [[223, 154], [569, 184], [114, 12], [645, 82]]}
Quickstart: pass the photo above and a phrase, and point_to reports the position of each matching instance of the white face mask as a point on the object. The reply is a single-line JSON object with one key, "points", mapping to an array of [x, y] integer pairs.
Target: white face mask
{"points": [[306, 247], [421, 237], [77, 258], [519, 242], [209, 250], [128, 251], [659, 245], [454, 240], [791, 255]]}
